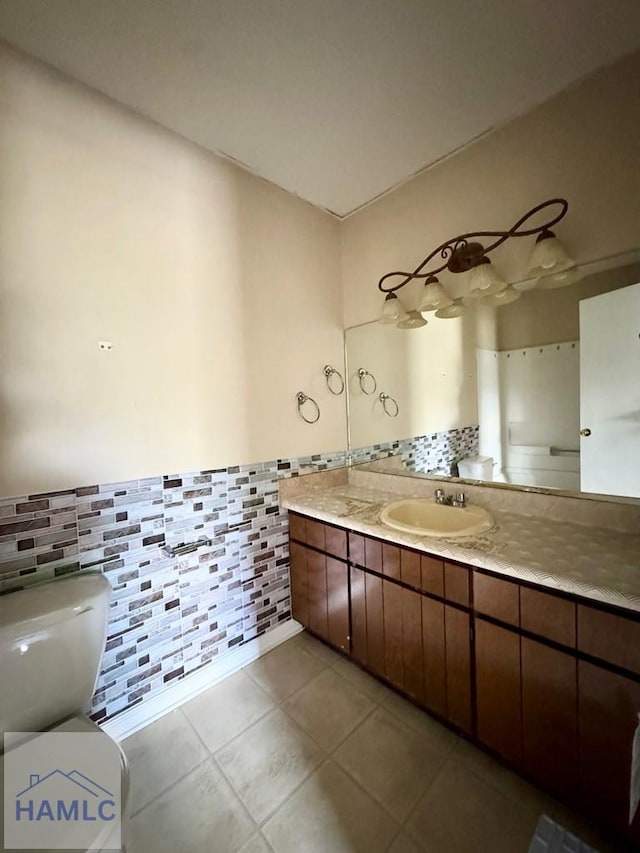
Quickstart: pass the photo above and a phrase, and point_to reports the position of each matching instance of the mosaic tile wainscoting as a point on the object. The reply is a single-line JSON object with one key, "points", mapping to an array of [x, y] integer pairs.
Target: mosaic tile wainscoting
{"points": [[173, 615]]}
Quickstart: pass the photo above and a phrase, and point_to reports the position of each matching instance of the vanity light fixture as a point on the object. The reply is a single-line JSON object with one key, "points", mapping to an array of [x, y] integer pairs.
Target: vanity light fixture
{"points": [[550, 267]]}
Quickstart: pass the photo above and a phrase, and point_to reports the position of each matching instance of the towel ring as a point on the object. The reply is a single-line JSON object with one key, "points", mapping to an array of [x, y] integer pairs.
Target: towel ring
{"points": [[384, 398], [302, 398], [362, 376], [330, 372]]}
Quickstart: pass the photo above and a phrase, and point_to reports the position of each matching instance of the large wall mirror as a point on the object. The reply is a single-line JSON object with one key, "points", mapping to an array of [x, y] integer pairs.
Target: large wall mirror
{"points": [[550, 384]]}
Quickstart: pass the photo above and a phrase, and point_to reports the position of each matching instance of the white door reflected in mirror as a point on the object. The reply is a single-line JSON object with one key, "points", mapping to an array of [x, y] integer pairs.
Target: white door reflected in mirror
{"points": [[610, 392]]}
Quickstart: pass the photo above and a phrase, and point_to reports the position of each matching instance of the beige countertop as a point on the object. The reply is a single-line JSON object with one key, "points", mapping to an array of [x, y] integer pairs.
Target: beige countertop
{"points": [[595, 562]]}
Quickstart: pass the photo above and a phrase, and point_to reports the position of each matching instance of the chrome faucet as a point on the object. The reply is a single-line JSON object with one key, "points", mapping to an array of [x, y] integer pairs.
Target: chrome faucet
{"points": [[458, 500]]}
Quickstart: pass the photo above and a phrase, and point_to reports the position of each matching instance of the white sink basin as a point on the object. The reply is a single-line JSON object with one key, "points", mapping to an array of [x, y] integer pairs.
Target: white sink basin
{"points": [[424, 517]]}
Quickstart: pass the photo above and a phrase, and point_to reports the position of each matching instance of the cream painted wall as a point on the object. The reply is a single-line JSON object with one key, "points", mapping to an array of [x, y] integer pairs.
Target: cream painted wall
{"points": [[221, 295], [420, 369], [544, 317], [583, 144]]}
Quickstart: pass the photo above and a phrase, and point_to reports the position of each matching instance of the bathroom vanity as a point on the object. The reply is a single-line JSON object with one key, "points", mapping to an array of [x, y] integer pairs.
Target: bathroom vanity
{"points": [[540, 667]]}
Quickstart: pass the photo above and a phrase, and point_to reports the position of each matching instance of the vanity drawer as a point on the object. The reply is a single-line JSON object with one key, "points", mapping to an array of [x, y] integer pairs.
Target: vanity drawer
{"points": [[548, 616], [391, 560], [356, 548], [497, 598], [410, 568], [315, 534], [297, 527], [372, 554], [432, 575], [324, 537], [609, 637], [456, 584], [336, 541]]}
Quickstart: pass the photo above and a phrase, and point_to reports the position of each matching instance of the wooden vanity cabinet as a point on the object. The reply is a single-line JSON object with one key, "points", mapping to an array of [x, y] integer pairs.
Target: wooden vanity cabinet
{"points": [[549, 717], [298, 583], [367, 621], [526, 688], [408, 618], [548, 682], [386, 634], [498, 690], [457, 625], [320, 581], [608, 708]]}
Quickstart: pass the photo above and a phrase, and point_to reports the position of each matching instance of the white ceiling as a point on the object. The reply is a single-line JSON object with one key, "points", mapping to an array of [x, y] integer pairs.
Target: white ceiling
{"points": [[334, 100]]}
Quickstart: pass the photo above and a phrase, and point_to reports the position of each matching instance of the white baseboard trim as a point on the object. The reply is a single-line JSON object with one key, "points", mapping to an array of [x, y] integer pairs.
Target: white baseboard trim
{"points": [[149, 710]]}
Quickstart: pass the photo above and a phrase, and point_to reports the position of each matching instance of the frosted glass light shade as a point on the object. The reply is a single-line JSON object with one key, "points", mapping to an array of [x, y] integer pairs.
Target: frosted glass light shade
{"points": [[560, 279], [434, 296], [549, 256], [509, 294], [412, 320], [485, 281], [450, 312], [392, 310], [527, 284]]}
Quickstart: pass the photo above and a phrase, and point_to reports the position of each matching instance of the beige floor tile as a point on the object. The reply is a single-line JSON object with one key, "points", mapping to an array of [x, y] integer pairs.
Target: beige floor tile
{"points": [[227, 709], [438, 736], [403, 844], [257, 844], [159, 755], [285, 670], [461, 813], [268, 761], [531, 801], [361, 681], [330, 814], [305, 641], [391, 761], [328, 708], [200, 813]]}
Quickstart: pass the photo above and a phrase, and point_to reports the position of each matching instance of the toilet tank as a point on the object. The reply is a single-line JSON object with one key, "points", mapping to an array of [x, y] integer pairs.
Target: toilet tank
{"points": [[476, 468], [52, 638]]}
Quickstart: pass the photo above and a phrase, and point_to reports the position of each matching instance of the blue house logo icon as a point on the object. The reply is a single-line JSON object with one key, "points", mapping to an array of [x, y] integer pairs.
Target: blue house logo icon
{"points": [[64, 797]]}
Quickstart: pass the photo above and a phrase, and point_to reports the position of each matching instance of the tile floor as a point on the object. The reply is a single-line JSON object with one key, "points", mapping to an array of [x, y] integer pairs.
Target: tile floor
{"points": [[301, 752]]}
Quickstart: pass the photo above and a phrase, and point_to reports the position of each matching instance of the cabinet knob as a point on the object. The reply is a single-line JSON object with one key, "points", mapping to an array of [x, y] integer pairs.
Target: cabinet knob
{"points": [[585, 432]]}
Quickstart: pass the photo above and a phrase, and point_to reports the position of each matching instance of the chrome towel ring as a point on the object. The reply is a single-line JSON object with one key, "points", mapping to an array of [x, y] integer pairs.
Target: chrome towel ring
{"points": [[329, 373], [384, 399], [362, 378], [302, 398]]}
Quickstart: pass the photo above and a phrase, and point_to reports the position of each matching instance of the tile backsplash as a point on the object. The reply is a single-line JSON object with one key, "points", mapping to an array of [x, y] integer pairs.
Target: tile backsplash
{"points": [[172, 615]]}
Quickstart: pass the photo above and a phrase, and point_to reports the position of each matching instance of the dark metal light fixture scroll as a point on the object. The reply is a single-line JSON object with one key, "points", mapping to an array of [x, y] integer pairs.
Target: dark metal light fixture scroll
{"points": [[550, 265]]}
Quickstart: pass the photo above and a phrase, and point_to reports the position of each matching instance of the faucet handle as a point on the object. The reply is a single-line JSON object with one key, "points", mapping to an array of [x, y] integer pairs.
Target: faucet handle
{"points": [[439, 496], [460, 500]]}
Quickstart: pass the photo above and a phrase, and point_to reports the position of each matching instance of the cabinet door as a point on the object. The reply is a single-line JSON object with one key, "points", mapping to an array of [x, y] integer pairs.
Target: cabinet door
{"points": [[317, 593], [458, 660], [608, 708], [434, 661], [403, 639], [298, 575], [498, 702], [549, 717], [338, 604], [359, 616], [412, 656], [393, 665], [375, 624]]}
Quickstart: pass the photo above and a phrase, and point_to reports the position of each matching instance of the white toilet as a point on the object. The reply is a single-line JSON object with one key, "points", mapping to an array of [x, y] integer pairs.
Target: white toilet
{"points": [[52, 638], [476, 468]]}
